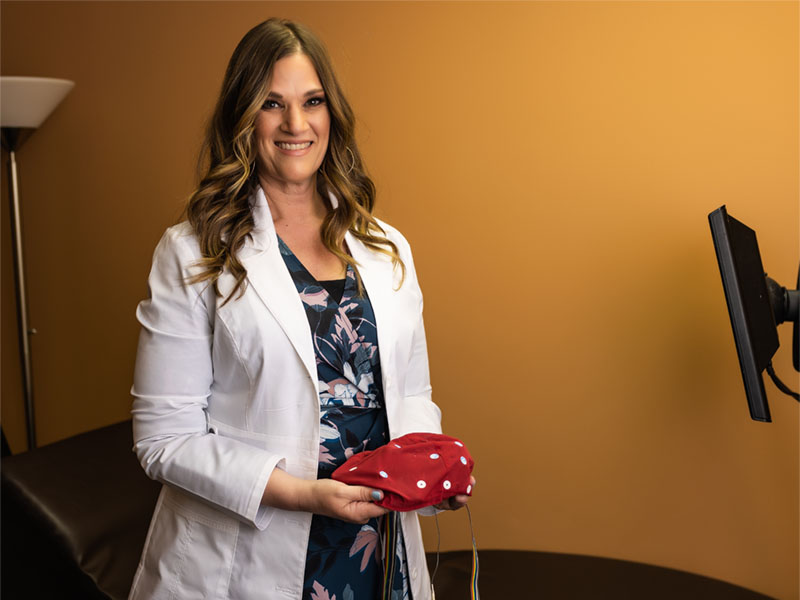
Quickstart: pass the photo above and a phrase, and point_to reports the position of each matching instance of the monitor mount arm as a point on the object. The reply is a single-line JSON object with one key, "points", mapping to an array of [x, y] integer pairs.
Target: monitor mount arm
{"points": [[785, 307], [785, 303]]}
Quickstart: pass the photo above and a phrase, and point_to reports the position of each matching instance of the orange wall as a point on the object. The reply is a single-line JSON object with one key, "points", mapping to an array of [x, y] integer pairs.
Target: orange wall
{"points": [[553, 165]]}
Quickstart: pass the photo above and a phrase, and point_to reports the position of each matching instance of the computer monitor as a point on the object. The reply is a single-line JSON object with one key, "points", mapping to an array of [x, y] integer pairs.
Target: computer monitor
{"points": [[749, 304]]}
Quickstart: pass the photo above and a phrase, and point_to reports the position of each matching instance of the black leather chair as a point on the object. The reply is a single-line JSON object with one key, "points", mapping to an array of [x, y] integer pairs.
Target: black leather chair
{"points": [[75, 515]]}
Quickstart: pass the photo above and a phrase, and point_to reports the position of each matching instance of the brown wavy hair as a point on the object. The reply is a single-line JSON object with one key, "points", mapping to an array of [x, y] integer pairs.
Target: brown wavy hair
{"points": [[219, 209]]}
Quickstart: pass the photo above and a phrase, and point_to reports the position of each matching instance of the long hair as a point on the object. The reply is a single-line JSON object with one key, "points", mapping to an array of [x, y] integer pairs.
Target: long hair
{"points": [[219, 209]]}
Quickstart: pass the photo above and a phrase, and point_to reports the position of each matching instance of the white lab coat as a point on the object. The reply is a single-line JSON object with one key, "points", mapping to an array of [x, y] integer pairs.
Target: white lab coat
{"points": [[225, 394]]}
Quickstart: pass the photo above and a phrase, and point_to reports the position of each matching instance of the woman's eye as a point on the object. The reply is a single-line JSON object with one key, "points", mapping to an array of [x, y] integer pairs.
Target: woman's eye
{"points": [[269, 104], [316, 101]]}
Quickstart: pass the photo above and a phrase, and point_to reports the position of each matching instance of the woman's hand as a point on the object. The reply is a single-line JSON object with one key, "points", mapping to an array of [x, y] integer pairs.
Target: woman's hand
{"points": [[456, 502], [353, 503]]}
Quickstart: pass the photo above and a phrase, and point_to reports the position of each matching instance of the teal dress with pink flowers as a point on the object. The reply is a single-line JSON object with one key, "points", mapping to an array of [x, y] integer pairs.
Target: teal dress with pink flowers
{"points": [[344, 560]]}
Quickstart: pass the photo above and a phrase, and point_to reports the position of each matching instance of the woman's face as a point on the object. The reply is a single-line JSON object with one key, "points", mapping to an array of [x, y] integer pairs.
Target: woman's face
{"points": [[291, 130]]}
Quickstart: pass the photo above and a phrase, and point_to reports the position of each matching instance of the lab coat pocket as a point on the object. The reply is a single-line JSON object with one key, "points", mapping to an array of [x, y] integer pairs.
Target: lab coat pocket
{"points": [[190, 549]]}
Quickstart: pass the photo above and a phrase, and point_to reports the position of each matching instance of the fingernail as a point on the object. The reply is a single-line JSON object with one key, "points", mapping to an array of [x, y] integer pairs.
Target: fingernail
{"points": [[376, 495]]}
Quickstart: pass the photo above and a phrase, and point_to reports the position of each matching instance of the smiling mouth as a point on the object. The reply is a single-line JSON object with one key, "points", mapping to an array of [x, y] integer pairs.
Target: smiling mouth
{"points": [[288, 146]]}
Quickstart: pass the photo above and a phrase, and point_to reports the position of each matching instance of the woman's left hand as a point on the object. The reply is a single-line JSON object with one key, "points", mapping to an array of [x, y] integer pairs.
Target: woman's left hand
{"points": [[455, 502]]}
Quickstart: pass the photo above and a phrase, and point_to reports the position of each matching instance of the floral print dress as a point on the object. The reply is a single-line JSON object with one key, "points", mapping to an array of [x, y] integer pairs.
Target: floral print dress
{"points": [[344, 560]]}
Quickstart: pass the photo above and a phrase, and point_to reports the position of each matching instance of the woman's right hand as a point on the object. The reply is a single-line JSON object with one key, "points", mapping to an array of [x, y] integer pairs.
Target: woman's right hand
{"points": [[353, 503]]}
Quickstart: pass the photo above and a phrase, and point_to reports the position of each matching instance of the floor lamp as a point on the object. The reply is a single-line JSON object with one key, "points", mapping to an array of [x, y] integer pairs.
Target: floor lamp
{"points": [[25, 102]]}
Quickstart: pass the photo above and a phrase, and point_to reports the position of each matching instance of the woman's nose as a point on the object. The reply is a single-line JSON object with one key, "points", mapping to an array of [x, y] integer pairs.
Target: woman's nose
{"points": [[294, 120]]}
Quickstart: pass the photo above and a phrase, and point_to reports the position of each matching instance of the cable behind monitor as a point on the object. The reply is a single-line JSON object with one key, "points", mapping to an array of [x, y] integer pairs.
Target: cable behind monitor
{"points": [[780, 385]]}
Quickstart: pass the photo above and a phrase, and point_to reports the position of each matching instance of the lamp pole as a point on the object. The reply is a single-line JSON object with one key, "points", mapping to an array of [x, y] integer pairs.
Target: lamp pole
{"points": [[22, 300], [25, 102]]}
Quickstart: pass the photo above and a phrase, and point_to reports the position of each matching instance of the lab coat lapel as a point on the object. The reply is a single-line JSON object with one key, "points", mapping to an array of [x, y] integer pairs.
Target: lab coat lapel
{"points": [[377, 275], [270, 279]]}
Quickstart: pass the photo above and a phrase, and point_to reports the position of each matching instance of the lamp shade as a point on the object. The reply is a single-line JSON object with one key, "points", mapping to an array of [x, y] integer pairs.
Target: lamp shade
{"points": [[27, 101]]}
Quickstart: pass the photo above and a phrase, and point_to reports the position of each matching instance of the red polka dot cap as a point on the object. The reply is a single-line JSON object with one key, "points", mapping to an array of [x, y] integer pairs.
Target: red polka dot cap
{"points": [[413, 471]]}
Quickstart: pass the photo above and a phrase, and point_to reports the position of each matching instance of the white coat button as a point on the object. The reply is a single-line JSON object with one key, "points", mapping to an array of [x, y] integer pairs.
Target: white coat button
{"points": [[463, 460], [383, 474], [421, 484], [446, 484]]}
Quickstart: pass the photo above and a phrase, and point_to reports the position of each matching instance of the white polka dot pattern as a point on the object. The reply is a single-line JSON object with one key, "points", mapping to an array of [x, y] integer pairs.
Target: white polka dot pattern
{"points": [[416, 470]]}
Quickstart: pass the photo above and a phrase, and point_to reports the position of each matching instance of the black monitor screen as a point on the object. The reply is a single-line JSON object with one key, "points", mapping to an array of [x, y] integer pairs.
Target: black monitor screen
{"points": [[744, 280]]}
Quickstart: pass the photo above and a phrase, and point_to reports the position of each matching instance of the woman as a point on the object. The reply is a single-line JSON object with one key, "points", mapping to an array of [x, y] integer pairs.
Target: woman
{"points": [[283, 333]]}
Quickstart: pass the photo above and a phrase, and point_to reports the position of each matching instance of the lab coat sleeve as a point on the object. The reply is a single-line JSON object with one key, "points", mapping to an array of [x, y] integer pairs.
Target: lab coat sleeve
{"points": [[420, 413], [423, 413], [172, 382]]}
